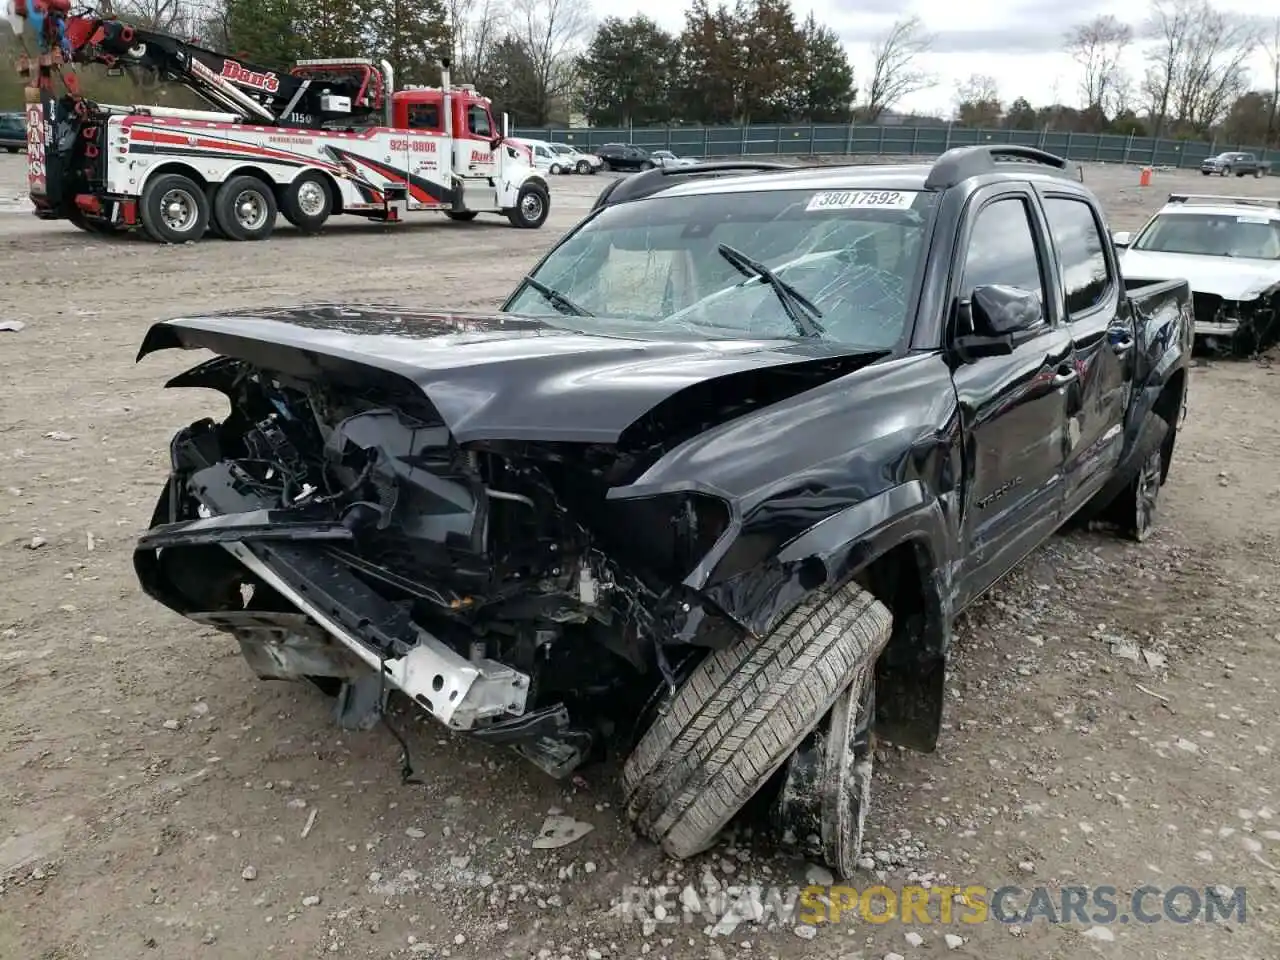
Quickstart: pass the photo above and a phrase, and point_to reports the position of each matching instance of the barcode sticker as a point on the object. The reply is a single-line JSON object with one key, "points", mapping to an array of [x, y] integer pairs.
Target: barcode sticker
{"points": [[854, 199], [1246, 219]]}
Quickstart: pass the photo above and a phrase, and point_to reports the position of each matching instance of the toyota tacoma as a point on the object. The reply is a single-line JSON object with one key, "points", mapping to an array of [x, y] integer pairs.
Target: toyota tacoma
{"points": [[710, 487]]}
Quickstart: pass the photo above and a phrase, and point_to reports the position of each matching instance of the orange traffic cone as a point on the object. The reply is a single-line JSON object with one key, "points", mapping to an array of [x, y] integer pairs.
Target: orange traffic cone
{"points": [[1144, 180]]}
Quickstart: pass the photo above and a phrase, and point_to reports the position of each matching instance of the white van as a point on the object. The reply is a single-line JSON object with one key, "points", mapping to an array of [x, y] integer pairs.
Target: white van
{"points": [[558, 158]]}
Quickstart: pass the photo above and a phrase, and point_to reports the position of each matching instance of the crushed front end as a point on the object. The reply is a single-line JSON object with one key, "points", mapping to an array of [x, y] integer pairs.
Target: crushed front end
{"points": [[339, 532], [1240, 327]]}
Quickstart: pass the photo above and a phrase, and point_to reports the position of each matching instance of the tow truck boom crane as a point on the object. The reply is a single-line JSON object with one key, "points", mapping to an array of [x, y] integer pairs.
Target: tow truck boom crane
{"points": [[326, 136]]}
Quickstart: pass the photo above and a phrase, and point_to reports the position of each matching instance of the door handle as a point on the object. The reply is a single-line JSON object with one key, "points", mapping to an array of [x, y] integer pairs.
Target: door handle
{"points": [[1121, 341], [1066, 374]]}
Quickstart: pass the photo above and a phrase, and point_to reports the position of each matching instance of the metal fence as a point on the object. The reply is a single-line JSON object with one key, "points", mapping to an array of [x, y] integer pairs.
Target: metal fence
{"points": [[817, 139]]}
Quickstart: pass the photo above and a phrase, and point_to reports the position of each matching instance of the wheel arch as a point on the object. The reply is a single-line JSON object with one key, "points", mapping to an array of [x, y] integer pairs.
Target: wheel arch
{"points": [[174, 166], [894, 544]]}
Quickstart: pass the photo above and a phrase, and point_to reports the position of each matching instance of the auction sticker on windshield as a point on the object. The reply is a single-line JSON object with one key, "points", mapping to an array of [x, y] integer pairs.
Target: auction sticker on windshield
{"points": [[853, 199]]}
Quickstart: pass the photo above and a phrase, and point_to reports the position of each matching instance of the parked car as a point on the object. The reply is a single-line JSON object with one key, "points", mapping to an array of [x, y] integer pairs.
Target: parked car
{"points": [[625, 156], [1241, 164], [575, 161], [717, 477], [13, 132], [1228, 248], [545, 159], [668, 160]]}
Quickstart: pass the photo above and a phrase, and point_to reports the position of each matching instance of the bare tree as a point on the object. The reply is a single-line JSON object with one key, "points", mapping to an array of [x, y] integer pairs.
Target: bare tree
{"points": [[477, 26], [1271, 47], [1199, 60], [894, 70], [167, 16], [1098, 46], [978, 101], [550, 33]]}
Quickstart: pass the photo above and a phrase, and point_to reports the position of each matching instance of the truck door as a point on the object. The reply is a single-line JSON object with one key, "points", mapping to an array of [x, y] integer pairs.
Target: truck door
{"points": [[471, 149], [1103, 337], [428, 183], [1013, 407]]}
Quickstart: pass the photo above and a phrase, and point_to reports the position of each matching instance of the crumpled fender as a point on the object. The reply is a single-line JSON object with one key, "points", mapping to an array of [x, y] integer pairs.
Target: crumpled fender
{"points": [[833, 550]]}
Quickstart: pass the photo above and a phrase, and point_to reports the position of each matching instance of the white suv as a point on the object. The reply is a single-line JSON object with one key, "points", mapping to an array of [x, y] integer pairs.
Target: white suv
{"points": [[574, 160]]}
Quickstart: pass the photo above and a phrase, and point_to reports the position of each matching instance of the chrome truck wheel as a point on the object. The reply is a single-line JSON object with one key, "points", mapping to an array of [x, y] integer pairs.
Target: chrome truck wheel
{"points": [[245, 209], [173, 209]]}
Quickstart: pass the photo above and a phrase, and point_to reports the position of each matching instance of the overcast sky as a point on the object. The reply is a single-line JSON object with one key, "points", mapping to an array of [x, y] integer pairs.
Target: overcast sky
{"points": [[1019, 42]]}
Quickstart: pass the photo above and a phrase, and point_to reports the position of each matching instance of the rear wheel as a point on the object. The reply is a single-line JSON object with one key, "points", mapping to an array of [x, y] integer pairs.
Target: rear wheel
{"points": [[12, 149], [531, 209], [1134, 508], [741, 714], [174, 209], [1258, 174], [245, 209], [463, 216], [307, 202]]}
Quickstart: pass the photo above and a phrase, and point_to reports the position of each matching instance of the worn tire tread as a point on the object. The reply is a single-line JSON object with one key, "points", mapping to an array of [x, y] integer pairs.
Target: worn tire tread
{"points": [[741, 713]]}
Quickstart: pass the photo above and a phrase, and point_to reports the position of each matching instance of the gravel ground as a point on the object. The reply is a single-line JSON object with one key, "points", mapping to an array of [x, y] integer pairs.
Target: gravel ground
{"points": [[1110, 721]]}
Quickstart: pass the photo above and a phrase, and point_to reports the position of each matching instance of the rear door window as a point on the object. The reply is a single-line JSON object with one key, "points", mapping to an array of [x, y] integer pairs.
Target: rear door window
{"points": [[1086, 277]]}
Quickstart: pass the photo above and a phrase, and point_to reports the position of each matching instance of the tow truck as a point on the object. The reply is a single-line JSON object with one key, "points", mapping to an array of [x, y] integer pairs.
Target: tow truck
{"points": [[330, 136]]}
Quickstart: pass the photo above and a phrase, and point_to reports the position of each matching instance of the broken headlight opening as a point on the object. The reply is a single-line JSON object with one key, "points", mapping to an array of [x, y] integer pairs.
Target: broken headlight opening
{"points": [[1242, 328], [343, 537]]}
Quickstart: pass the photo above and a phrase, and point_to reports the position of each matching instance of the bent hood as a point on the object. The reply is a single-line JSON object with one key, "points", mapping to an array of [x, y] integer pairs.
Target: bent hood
{"points": [[1229, 277], [505, 376]]}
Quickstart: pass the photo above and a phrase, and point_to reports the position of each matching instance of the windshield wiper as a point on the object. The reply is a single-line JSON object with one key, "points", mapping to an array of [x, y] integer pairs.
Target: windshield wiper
{"points": [[557, 299], [798, 307]]}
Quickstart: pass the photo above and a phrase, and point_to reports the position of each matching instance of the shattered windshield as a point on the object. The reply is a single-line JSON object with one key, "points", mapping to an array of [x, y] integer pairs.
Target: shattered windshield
{"points": [[1251, 236], [675, 264]]}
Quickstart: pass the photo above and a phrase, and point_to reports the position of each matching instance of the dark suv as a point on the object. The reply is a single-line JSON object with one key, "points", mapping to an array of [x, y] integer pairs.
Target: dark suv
{"points": [[13, 132], [625, 156]]}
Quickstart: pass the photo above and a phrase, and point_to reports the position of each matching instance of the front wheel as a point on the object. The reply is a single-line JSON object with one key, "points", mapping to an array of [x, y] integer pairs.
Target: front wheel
{"points": [[743, 711], [555, 170], [584, 167], [532, 207], [1257, 174], [646, 165], [174, 209], [12, 149]]}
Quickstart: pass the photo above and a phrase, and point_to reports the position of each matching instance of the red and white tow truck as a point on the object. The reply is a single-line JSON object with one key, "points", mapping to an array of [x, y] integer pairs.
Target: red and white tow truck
{"points": [[328, 137]]}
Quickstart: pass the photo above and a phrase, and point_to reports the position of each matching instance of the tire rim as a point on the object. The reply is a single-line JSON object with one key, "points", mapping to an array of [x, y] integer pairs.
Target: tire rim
{"points": [[179, 210], [312, 198], [1146, 494], [531, 206], [852, 769], [584, 167], [251, 209]]}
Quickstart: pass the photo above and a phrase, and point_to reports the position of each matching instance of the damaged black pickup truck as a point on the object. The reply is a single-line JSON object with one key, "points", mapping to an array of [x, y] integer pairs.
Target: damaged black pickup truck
{"points": [[711, 485]]}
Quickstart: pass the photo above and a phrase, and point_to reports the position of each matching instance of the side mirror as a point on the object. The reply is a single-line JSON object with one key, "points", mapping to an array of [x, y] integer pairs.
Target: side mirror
{"points": [[1121, 238], [1000, 311], [991, 319]]}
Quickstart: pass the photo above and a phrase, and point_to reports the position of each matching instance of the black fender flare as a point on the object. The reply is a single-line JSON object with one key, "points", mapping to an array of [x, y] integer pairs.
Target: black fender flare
{"points": [[843, 547]]}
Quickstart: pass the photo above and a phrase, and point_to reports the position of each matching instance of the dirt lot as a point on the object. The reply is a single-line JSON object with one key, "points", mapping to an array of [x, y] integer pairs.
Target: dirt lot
{"points": [[153, 795]]}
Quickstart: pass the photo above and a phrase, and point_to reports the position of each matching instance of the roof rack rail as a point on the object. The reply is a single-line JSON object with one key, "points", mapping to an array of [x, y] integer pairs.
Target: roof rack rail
{"points": [[960, 163], [1222, 198], [640, 185]]}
